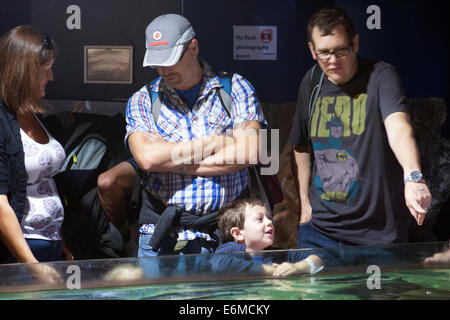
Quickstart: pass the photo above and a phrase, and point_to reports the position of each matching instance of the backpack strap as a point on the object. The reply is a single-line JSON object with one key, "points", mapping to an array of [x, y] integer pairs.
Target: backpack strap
{"points": [[225, 90], [224, 94], [156, 99], [317, 76]]}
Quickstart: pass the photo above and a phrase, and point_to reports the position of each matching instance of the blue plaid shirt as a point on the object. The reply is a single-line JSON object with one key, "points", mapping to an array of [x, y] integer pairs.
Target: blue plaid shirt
{"points": [[178, 123]]}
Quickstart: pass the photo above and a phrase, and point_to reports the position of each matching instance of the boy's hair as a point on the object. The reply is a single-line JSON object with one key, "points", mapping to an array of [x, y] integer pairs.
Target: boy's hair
{"points": [[327, 18], [233, 215]]}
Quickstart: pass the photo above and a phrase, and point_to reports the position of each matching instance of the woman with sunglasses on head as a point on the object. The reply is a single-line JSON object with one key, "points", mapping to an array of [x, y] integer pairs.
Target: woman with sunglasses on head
{"points": [[31, 212]]}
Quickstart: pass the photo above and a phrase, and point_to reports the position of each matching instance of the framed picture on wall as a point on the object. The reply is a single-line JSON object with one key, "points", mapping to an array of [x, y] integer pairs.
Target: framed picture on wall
{"points": [[108, 64]]}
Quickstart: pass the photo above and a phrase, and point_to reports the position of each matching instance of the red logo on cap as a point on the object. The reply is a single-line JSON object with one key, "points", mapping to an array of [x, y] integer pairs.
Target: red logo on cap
{"points": [[157, 35], [158, 43]]}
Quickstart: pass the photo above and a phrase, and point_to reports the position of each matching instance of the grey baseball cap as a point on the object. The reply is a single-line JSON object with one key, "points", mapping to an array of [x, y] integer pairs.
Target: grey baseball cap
{"points": [[165, 38]]}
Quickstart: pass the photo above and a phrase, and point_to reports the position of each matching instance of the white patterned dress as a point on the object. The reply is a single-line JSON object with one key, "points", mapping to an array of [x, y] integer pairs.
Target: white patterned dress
{"points": [[44, 212]]}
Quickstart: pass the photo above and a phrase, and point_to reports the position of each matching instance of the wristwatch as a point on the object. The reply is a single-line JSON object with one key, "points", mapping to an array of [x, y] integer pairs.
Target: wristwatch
{"points": [[414, 176]]}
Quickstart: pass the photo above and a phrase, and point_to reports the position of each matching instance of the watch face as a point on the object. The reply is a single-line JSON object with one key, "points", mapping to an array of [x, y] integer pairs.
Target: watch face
{"points": [[416, 176]]}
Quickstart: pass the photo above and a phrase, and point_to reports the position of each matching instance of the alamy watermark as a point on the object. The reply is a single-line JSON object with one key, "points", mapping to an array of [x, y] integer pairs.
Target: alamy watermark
{"points": [[74, 280], [374, 21], [269, 160], [73, 21], [374, 280]]}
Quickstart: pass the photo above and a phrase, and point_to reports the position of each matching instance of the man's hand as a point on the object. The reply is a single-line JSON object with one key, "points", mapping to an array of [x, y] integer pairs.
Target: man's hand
{"points": [[418, 200], [305, 212]]}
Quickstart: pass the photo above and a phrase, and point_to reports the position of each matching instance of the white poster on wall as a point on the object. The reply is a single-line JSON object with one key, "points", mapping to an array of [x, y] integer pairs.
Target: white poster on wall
{"points": [[254, 42]]}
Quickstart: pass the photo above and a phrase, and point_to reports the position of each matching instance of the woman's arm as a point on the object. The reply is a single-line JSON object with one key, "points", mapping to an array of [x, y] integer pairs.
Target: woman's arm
{"points": [[11, 233]]}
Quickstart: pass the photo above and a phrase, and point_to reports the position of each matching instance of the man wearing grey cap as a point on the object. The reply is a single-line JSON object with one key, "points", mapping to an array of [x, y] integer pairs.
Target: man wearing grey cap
{"points": [[192, 154]]}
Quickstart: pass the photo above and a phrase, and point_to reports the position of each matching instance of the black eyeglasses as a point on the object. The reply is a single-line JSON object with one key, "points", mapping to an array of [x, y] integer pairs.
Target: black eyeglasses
{"points": [[47, 43], [338, 53]]}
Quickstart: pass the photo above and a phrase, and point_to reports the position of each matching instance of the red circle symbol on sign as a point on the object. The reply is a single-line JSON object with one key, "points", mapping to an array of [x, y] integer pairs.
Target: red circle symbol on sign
{"points": [[266, 36]]}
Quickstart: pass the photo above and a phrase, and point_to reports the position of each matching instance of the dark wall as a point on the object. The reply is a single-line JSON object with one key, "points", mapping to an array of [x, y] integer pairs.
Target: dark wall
{"points": [[103, 22], [275, 81], [413, 37], [13, 13]]}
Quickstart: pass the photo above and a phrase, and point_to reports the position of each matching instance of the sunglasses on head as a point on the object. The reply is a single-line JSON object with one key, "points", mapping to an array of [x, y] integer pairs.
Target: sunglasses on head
{"points": [[47, 43]]}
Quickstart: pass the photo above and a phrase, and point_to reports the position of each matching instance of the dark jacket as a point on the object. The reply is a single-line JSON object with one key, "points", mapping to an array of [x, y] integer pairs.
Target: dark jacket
{"points": [[13, 176], [153, 211]]}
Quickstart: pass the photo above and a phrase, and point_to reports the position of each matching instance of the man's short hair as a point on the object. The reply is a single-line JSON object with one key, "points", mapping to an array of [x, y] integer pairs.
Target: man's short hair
{"points": [[328, 18], [233, 215]]}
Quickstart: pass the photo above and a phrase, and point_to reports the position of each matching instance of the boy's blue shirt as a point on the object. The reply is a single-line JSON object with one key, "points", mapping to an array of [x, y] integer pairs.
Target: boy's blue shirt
{"points": [[231, 257]]}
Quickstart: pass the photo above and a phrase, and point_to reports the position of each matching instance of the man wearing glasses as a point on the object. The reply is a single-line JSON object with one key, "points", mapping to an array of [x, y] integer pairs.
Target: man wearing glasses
{"points": [[365, 171], [193, 155]]}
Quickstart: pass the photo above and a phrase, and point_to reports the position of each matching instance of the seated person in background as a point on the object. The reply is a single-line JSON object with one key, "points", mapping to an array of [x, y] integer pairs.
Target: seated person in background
{"points": [[246, 226], [114, 188]]}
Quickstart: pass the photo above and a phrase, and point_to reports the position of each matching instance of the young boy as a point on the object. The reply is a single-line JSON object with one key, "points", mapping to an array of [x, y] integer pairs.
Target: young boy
{"points": [[246, 226]]}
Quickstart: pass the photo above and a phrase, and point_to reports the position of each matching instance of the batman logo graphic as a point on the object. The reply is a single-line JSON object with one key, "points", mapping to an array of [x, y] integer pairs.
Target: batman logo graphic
{"points": [[342, 156]]}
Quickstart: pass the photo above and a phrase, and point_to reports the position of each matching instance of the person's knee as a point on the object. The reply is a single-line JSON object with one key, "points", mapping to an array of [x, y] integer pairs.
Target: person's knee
{"points": [[106, 181], [120, 178]]}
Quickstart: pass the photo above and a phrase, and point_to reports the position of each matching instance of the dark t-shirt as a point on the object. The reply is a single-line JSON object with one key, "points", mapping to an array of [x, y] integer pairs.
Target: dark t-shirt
{"points": [[190, 96], [356, 192]]}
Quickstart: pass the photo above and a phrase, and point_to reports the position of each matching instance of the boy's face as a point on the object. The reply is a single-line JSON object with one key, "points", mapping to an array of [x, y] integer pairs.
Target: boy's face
{"points": [[258, 232]]}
